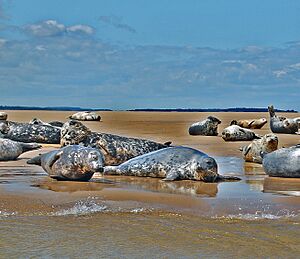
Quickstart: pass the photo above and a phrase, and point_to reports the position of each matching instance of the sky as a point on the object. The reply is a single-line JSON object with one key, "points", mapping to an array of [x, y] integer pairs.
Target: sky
{"points": [[126, 54]]}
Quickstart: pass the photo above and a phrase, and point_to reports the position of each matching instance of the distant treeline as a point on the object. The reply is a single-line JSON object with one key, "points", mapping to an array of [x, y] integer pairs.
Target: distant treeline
{"points": [[50, 108]]}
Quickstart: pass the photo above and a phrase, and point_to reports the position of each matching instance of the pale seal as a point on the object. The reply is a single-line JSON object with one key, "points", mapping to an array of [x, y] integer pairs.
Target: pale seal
{"points": [[172, 163], [250, 124], [116, 149], [282, 124], [237, 133], [284, 162], [26, 132], [85, 116], [208, 127], [3, 116], [75, 163], [11, 150], [37, 121], [267, 144]]}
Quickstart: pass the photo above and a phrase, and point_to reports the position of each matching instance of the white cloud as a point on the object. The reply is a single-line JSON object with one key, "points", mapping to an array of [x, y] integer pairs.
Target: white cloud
{"points": [[81, 28]]}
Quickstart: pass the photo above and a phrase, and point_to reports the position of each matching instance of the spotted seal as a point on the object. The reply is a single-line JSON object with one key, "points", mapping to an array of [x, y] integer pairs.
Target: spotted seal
{"points": [[76, 163], [11, 150], [85, 116], [3, 116], [208, 127], [282, 124], [26, 132], [252, 152], [116, 149], [250, 124], [237, 133], [284, 162], [172, 163]]}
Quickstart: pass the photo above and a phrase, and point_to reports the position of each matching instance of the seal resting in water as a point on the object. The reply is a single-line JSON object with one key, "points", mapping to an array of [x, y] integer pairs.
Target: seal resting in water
{"points": [[267, 144], [3, 116], [208, 127], [37, 121], [250, 124], [85, 116], [11, 150], [282, 124], [75, 163], [26, 132], [172, 163], [284, 162], [116, 149], [237, 133]]}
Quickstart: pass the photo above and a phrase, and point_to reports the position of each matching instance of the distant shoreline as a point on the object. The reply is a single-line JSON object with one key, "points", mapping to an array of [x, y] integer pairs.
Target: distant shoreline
{"points": [[239, 109]]}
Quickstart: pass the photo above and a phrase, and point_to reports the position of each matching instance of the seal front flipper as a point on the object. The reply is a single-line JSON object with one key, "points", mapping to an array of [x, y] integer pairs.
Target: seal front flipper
{"points": [[171, 176], [54, 158], [35, 160]]}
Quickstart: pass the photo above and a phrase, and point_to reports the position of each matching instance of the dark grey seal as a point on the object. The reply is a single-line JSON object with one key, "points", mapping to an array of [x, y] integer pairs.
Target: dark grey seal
{"points": [[284, 162], [208, 127], [237, 133], [85, 116], [3, 116], [26, 132], [75, 163], [11, 150], [282, 124], [172, 163], [116, 149]]}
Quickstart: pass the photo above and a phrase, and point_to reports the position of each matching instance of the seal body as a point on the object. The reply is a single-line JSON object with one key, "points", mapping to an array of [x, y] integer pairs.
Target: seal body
{"points": [[250, 124], [284, 162], [237, 133], [85, 116], [11, 150], [74, 163], [267, 144], [116, 149], [3, 116], [26, 132], [282, 124], [208, 127], [172, 163]]}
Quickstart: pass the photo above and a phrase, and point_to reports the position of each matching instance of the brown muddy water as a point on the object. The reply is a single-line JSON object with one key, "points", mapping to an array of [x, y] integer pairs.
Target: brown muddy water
{"points": [[132, 217]]}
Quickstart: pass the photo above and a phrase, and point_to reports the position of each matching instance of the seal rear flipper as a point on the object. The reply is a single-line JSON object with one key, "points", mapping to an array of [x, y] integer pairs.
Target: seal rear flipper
{"points": [[168, 143], [30, 146], [227, 178], [35, 160]]}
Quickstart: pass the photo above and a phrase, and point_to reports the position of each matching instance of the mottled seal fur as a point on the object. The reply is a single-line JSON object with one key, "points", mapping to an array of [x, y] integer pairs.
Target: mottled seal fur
{"points": [[237, 133], [3, 116], [208, 127], [116, 149], [11, 150], [26, 132], [250, 124], [284, 162], [282, 124], [172, 163], [76, 163], [85, 116], [267, 144], [37, 121]]}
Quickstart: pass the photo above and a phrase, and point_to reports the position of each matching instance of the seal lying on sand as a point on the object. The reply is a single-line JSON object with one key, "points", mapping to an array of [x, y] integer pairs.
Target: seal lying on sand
{"points": [[282, 124], [208, 127], [236, 133], [3, 116], [74, 163], [85, 116], [26, 132], [250, 124], [267, 144], [10, 150], [116, 149], [284, 162], [37, 121], [172, 163]]}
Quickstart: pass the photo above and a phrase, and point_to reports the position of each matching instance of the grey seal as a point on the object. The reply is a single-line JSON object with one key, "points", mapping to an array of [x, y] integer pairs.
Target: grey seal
{"points": [[252, 152], [116, 149], [284, 162], [3, 116], [74, 163], [85, 116], [172, 163], [11, 150], [208, 127], [26, 132], [250, 124], [37, 121], [282, 124], [237, 133]]}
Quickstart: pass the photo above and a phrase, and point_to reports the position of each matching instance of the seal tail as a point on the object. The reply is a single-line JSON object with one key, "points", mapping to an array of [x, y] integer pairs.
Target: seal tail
{"points": [[111, 170], [30, 146], [35, 160], [227, 178]]}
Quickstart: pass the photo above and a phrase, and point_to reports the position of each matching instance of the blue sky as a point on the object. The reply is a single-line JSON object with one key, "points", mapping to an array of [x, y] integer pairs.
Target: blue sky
{"points": [[150, 54]]}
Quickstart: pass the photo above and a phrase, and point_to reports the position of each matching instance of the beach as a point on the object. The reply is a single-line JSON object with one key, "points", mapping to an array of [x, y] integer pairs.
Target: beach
{"points": [[132, 217]]}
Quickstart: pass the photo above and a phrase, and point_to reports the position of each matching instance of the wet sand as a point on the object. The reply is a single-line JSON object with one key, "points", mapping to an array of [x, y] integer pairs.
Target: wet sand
{"points": [[146, 207]]}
